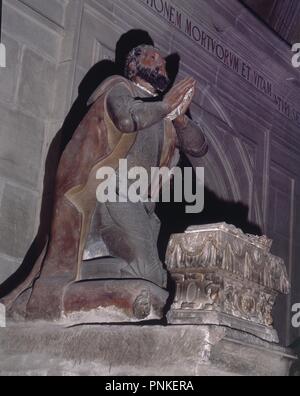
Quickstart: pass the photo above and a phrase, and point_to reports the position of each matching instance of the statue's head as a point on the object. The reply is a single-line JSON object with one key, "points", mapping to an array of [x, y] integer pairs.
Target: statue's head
{"points": [[147, 63]]}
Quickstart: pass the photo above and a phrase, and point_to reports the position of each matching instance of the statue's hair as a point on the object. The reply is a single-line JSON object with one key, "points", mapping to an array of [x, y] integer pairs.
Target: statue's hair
{"points": [[132, 61]]}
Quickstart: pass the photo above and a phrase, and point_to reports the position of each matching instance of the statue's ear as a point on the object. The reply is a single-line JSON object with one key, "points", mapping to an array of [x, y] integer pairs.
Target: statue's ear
{"points": [[132, 68]]}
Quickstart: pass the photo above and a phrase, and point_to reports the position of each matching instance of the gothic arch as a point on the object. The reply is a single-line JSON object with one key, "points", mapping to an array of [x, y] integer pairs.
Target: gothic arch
{"points": [[228, 166]]}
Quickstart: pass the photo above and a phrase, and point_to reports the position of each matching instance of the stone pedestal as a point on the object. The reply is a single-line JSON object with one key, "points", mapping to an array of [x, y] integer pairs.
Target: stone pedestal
{"points": [[2, 316], [224, 277], [138, 351]]}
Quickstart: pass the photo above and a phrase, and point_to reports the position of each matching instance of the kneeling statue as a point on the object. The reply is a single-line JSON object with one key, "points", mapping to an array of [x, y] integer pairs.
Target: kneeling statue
{"points": [[101, 262]]}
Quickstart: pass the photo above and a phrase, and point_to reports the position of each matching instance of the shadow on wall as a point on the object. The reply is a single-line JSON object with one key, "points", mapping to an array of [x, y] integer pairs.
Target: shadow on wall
{"points": [[175, 220], [172, 215]]}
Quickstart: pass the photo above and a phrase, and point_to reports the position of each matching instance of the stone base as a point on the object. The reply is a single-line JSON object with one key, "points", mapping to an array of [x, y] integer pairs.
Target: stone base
{"points": [[115, 350], [186, 317], [2, 316]]}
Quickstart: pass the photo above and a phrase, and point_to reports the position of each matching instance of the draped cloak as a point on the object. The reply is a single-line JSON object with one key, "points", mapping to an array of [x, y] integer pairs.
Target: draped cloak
{"points": [[96, 143]]}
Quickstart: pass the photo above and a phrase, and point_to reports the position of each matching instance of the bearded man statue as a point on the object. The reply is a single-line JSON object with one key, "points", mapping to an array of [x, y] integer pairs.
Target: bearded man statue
{"points": [[101, 262]]}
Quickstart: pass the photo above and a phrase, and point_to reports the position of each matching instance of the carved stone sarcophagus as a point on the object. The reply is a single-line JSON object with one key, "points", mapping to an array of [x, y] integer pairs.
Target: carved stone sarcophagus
{"points": [[225, 277]]}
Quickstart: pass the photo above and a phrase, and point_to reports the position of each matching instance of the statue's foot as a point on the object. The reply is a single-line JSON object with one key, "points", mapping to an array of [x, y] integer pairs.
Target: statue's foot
{"points": [[113, 301]]}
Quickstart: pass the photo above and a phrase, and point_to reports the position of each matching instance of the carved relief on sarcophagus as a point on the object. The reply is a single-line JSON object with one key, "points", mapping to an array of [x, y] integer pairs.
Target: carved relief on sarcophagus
{"points": [[225, 277]]}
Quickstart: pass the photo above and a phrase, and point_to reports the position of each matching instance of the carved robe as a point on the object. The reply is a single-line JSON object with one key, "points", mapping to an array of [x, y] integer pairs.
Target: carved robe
{"points": [[96, 143]]}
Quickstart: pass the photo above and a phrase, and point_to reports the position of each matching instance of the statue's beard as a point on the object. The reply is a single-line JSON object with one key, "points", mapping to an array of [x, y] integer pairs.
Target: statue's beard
{"points": [[152, 76]]}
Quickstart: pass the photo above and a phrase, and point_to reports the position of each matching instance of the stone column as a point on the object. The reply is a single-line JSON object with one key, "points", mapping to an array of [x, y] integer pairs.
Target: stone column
{"points": [[224, 277]]}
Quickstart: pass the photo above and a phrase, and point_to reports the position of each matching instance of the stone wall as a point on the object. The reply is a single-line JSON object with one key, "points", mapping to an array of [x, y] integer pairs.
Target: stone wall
{"points": [[282, 16], [254, 153], [32, 33]]}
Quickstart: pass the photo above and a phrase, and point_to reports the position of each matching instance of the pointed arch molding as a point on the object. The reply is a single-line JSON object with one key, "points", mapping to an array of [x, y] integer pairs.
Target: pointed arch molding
{"points": [[231, 162]]}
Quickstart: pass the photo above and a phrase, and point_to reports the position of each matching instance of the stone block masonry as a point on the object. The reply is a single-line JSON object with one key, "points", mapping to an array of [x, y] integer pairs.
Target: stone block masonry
{"points": [[32, 32]]}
